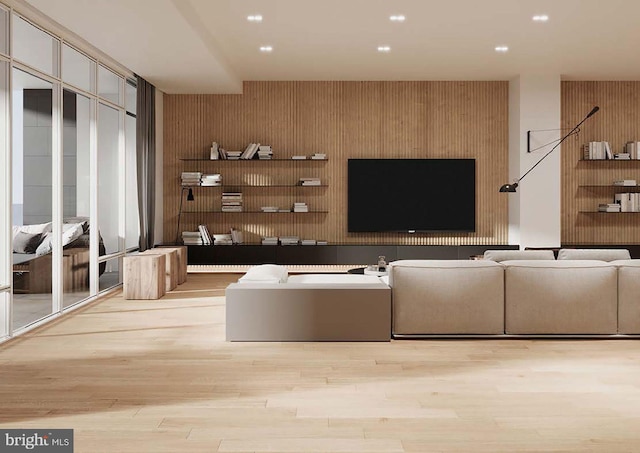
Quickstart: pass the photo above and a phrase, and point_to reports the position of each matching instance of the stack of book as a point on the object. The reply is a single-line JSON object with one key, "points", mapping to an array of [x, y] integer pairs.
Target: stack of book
{"points": [[270, 240], [310, 182], [231, 201], [308, 242], [289, 240], [632, 149], [192, 238], [206, 237], [191, 178], [214, 179], [265, 152], [321, 242], [269, 208], [622, 156], [625, 182], [233, 155], [222, 239], [298, 157], [300, 207], [597, 151], [610, 207], [319, 156]]}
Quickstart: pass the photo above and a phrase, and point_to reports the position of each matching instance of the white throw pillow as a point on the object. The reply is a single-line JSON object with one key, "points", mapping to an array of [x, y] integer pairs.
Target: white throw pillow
{"points": [[71, 232], [39, 228], [45, 246], [265, 273]]}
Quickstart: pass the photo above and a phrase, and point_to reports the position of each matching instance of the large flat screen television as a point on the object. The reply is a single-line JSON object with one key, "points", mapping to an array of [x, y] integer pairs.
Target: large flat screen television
{"points": [[412, 195]]}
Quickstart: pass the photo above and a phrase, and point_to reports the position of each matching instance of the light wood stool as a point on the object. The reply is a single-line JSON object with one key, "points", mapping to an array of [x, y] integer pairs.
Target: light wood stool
{"points": [[182, 260], [171, 265], [144, 276]]}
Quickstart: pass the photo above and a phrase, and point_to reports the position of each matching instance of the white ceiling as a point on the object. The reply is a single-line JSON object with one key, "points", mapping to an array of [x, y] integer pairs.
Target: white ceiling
{"points": [[208, 46]]}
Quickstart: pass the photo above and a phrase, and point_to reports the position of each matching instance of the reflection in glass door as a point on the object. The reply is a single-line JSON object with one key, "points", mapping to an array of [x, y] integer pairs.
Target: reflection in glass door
{"points": [[76, 114], [31, 198]]}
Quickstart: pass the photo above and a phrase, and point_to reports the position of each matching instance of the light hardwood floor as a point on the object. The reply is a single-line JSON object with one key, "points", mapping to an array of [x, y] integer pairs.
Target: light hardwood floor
{"points": [[157, 376]]}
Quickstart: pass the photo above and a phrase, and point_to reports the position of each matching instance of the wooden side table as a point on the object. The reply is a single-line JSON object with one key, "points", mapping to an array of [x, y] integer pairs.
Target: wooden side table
{"points": [[171, 265], [182, 260], [144, 276]]}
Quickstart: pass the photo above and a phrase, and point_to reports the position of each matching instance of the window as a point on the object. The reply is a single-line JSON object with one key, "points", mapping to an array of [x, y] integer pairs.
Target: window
{"points": [[77, 69], [4, 31], [34, 47], [109, 85]]}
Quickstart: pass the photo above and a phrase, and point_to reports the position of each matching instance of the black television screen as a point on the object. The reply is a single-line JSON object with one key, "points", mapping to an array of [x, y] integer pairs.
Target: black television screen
{"points": [[411, 195]]}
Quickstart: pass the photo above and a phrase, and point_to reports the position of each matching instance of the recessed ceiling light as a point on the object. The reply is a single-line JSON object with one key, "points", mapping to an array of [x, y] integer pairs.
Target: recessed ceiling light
{"points": [[502, 49], [255, 18], [397, 18], [384, 49], [541, 18], [266, 48]]}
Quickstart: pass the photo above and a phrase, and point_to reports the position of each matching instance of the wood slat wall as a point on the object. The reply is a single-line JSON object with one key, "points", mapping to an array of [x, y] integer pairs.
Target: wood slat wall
{"points": [[345, 120], [617, 122]]}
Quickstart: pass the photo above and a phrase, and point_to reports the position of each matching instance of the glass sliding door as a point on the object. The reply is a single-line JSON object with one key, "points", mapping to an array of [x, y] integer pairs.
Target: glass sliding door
{"points": [[132, 236], [110, 273], [109, 171], [77, 111], [5, 199], [32, 198]]}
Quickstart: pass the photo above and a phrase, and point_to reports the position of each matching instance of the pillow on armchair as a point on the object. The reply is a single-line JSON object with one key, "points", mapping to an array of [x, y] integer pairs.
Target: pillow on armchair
{"points": [[26, 242]]}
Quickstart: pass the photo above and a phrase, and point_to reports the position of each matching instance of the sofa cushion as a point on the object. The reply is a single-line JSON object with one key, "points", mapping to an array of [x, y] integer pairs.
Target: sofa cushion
{"points": [[594, 254], [265, 273], [25, 242], [447, 297], [504, 255], [560, 297], [628, 296]]}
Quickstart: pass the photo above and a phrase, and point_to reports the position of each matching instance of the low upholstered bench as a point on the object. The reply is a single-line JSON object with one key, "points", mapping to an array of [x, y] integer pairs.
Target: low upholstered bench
{"points": [[316, 307]]}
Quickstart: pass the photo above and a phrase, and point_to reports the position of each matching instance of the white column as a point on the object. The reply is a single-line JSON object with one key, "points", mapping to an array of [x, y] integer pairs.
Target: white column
{"points": [[534, 210]]}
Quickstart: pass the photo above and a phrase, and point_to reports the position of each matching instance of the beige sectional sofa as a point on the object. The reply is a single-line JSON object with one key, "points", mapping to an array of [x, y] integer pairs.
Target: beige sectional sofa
{"points": [[584, 292]]}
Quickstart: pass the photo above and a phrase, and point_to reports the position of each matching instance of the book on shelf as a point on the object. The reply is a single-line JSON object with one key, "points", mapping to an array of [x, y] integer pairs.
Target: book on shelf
{"points": [[309, 182], [609, 207], [233, 155], [222, 239], [269, 208], [273, 240], [190, 178], [300, 207], [236, 236], [289, 240], [308, 242], [319, 156], [284, 210], [214, 179], [321, 242], [632, 148], [192, 238], [231, 209], [298, 157], [628, 202], [250, 151], [625, 182], [597, 151], [622, 156], [206, 237]]}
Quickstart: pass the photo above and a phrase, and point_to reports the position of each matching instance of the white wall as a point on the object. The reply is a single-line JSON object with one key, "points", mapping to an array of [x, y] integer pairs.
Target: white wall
{"points": [[534, 211]]}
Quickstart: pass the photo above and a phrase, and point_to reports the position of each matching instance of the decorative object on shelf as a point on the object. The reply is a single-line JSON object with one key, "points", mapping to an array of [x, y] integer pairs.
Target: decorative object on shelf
{"points": [[214, 151], [513, 186], [190, 197]]}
